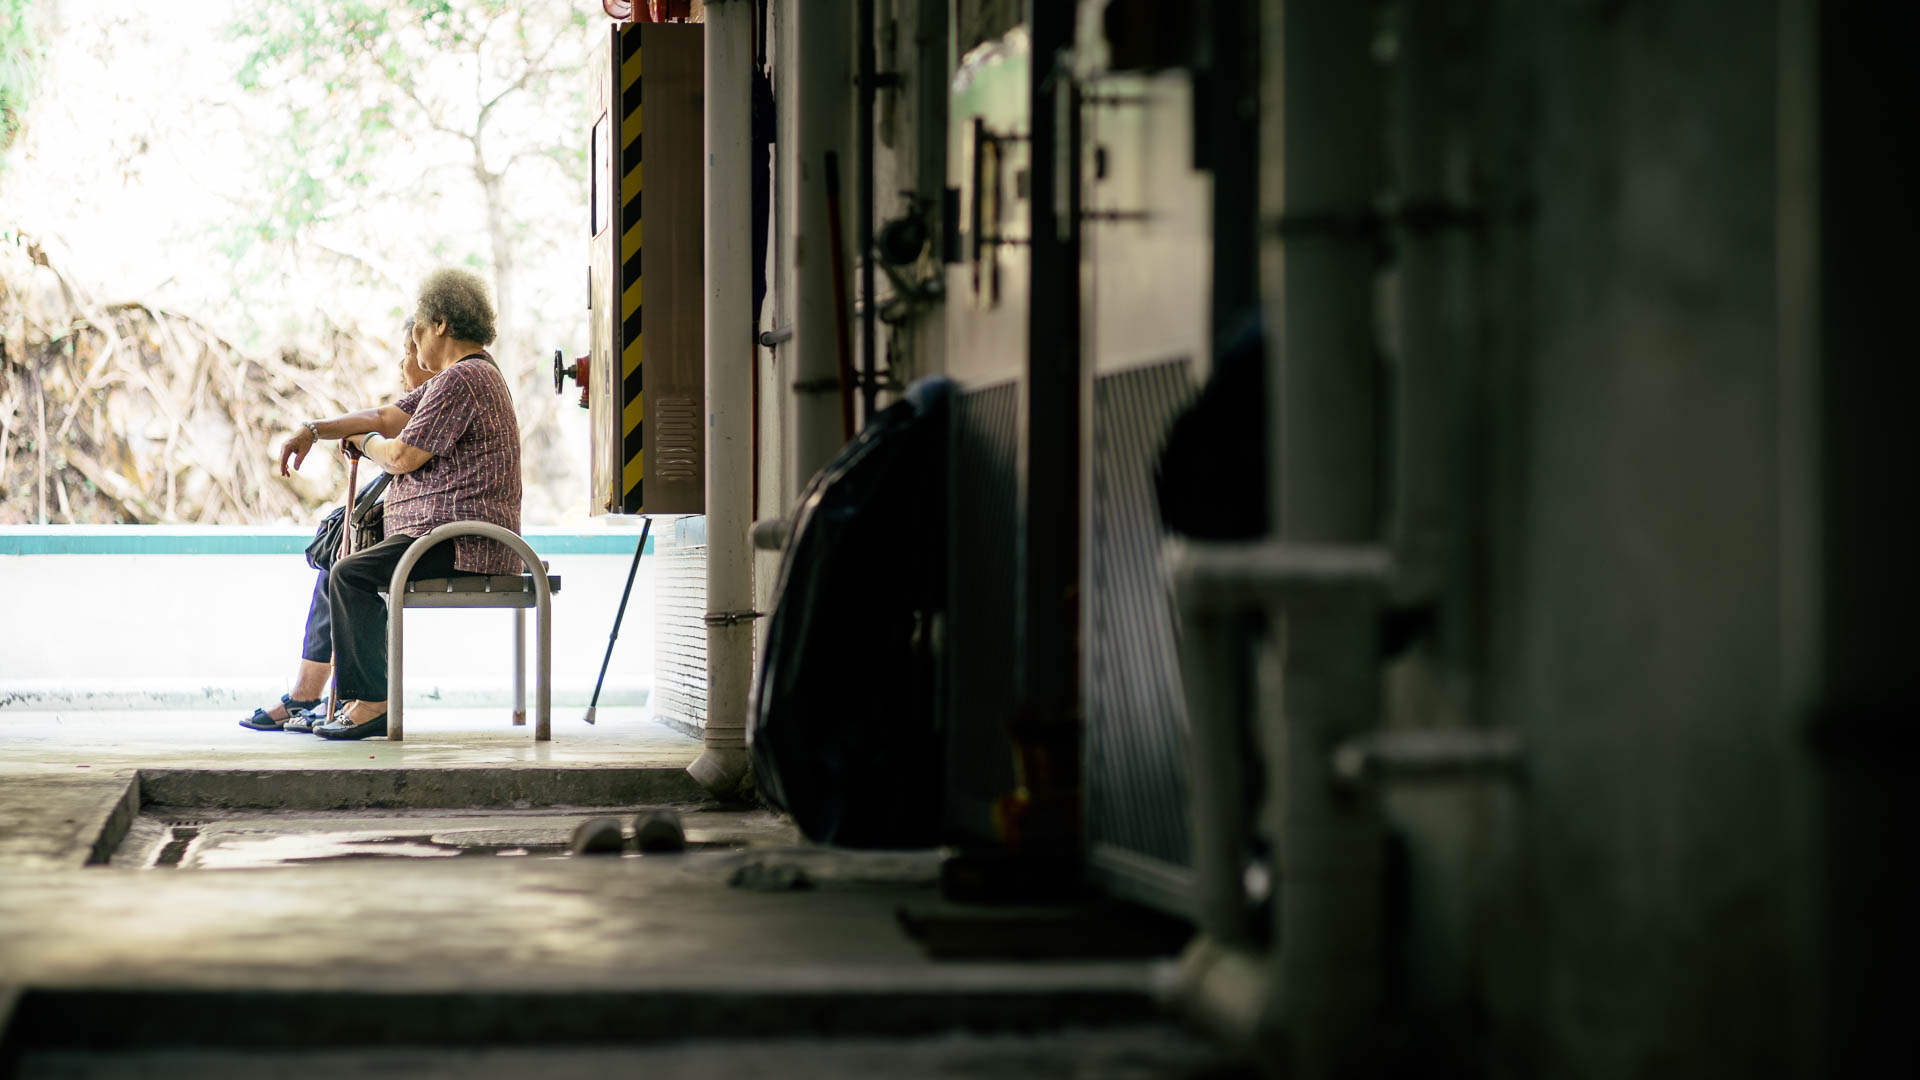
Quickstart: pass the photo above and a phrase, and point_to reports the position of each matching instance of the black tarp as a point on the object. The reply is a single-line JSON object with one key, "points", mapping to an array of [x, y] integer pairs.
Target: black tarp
{"points": [[844, 729]]}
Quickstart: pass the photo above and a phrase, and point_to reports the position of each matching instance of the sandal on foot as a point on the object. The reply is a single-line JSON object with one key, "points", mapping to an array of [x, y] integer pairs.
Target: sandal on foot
{"points": [[304, 721], [260, 721], [342, 728]]}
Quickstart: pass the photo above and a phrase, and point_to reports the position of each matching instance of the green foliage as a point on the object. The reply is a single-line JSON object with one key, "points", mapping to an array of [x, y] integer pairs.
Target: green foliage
{"points": [[20, 54], [367, 80]]}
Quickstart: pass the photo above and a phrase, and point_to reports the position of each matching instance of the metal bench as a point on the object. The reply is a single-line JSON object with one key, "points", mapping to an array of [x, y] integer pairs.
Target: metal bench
{"points": [[519, 592]]}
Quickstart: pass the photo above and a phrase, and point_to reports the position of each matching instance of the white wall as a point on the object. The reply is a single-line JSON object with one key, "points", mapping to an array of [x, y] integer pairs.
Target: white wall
{"points": [[211, 630]]}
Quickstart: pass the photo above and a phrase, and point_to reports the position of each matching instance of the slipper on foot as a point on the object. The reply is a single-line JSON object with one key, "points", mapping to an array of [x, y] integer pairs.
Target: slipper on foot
{"points": [[260, 721], [367, 730]]}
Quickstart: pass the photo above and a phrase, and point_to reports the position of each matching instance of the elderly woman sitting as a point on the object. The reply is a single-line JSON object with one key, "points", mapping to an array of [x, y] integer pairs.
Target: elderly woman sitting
{"points": [[453, 447]]}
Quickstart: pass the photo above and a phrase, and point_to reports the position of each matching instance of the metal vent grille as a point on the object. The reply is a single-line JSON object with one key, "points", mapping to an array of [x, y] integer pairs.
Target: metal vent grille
{"points": [[1136, 723], [679, 695], [980, 606], [676, 438]]}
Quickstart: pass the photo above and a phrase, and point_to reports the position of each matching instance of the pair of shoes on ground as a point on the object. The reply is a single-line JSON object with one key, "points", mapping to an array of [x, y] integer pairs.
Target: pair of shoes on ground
{"points": [[296, 710], [310, 716]]}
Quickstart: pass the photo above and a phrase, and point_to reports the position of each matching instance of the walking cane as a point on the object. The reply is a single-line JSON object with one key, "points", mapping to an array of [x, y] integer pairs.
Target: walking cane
{"points": [[645, 528], [346, 549]]}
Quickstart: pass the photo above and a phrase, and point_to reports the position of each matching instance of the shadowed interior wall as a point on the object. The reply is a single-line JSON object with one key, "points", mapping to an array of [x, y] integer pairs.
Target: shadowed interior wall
{"points": [[1633, 565]]}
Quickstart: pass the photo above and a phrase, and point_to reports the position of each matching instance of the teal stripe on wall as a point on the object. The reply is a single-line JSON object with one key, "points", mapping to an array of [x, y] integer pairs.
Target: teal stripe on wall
{"points": [[233, 540]]}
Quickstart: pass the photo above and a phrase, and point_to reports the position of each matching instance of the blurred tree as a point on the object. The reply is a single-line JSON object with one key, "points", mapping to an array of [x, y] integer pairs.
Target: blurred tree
{"points": [[413, 132], [20, 53], [484, 89]]}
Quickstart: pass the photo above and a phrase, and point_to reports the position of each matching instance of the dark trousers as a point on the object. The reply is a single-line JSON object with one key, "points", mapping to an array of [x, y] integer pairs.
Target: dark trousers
{"points": [[359, 615]]}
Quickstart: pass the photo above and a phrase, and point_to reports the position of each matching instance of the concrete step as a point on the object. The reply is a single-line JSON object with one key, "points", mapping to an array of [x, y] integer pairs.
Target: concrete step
{"points": [[825, 1002], [1134, 1053]]}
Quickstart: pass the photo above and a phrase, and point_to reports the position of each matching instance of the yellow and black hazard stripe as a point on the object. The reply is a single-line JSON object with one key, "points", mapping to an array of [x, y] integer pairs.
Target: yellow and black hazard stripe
{"points": [[633, 407]]}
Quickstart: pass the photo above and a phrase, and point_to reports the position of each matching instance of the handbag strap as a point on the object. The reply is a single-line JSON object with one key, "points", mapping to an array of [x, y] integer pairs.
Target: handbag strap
{"points": [[365, 503]]}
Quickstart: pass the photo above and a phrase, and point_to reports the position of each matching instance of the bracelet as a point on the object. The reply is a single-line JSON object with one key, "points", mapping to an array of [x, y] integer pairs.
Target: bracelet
{"points": [[314, 429]]}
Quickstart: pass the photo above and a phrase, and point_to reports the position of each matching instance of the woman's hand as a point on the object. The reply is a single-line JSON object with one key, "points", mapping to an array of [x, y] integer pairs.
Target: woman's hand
{"points": [[296, 447]]}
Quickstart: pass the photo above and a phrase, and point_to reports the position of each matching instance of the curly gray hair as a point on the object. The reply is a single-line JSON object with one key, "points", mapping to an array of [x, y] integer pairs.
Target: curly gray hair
{"points": [[460, 297]]}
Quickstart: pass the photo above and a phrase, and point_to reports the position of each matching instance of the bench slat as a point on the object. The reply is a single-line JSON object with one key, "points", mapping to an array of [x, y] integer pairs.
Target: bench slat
{"points": [[510, 584]]}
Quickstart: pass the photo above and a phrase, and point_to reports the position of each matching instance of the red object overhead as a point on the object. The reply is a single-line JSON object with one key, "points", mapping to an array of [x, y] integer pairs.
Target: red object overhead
{"points": [[657, 11]]}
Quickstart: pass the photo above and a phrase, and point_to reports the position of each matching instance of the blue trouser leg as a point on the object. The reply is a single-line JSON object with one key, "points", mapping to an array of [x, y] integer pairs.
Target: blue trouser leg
{"points": [[318, 646]]}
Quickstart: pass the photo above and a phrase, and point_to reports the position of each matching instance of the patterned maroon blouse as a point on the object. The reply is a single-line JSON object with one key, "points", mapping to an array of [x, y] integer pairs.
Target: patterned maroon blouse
{"points": [[464, 418]]}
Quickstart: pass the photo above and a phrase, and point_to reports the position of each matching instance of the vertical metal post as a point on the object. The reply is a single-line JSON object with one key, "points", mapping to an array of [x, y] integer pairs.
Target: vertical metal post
{"points": [[863, 214], [396, 685], [1046, 727], [1233, 74], [543, 657], [729, 370], [814, 78], [519, 667], [1322, 165]]}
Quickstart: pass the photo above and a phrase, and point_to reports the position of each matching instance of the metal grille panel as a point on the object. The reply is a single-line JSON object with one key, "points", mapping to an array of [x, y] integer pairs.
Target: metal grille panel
{"points": [[1136, 723], [679, 558]]}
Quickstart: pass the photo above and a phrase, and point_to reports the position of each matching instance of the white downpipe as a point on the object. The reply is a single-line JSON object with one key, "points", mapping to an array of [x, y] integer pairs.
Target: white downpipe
{"points": [[729, 371], [816, 73]]}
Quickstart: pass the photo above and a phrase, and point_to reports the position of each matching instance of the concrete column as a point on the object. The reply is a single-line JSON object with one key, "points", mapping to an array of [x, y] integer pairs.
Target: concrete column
{"points": [[729, 370]]}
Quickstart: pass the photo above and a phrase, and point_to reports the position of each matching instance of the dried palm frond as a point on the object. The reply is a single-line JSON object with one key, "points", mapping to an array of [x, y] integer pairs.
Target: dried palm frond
{"points": [[126, 412]]}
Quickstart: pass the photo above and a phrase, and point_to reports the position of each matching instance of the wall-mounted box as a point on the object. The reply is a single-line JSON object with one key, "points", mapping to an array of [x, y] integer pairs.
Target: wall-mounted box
{"points": [[646, 384]]}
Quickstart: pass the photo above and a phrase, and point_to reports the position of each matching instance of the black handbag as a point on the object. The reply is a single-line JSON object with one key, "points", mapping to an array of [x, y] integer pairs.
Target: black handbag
{"points": [[369, 526]]}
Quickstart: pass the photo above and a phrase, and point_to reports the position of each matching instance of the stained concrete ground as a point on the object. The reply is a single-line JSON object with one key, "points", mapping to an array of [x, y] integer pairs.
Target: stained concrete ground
{"points": [[735, 957]]}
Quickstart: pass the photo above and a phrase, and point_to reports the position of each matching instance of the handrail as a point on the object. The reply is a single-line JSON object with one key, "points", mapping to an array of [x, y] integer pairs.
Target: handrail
{"points": [[543, 605]]}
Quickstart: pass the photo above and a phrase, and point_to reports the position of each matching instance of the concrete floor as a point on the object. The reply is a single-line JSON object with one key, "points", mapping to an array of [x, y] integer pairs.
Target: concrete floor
{"points": [[61, 772], [38, 742], [112, 967], [1135, 1054]]}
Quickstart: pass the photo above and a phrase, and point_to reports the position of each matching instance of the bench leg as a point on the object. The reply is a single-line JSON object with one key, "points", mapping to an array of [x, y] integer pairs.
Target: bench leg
{"points": [[519, 667], [396, 692], [542, 681]]}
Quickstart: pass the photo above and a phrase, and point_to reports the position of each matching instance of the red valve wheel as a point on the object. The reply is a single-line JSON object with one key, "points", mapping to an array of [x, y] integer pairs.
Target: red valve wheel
{"points": [[577, 371]]}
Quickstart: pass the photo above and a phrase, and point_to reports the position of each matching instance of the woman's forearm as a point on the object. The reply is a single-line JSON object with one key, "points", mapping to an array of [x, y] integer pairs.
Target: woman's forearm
{"points": [[391, 455], [353, 423], [384, 420]]}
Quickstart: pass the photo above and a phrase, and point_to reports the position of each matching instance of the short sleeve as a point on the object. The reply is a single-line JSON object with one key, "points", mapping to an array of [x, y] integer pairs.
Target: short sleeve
{"points": [[444, 412], [409, 402]]}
